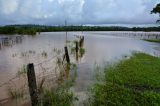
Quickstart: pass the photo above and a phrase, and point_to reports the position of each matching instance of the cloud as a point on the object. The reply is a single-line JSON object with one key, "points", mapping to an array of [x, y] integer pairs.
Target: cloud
{"points": [[119, 11], [8, 6], [55, 12]]}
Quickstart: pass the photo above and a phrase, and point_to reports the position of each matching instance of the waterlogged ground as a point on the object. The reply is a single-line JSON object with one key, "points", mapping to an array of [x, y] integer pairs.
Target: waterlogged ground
{"points": [[100, 47]]}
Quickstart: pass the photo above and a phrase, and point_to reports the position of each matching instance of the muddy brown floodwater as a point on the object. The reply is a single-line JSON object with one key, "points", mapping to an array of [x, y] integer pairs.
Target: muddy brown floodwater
{"points": [[100, 47]]}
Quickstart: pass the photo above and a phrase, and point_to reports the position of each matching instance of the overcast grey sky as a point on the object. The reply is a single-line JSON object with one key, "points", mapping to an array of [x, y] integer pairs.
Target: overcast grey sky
{"points": [[76, 12]]}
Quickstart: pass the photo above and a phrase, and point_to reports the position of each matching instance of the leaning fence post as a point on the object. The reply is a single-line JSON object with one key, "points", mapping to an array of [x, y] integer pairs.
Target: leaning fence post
{"points": [[66, 54], [32, 84]]}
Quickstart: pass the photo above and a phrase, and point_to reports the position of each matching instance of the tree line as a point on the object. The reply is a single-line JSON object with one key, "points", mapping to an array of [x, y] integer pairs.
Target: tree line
{"points": [[33, 29]]}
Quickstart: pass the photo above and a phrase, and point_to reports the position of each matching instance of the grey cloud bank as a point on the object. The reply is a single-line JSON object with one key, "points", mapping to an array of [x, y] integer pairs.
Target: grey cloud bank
{"points": [[76, 12]]}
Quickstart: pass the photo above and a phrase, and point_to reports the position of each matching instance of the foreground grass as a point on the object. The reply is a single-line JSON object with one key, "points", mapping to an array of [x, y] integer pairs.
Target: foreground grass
{"points": [[62, 94], [132, 82], [153, 40], [57, 97]]}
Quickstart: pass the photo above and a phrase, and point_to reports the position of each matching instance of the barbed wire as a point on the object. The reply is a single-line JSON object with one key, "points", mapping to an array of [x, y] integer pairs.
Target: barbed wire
{"points": [[46, 60], [37, 64], [5, 83], [49, 72]]}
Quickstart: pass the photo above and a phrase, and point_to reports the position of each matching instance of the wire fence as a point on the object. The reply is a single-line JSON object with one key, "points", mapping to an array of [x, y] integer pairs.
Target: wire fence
{"points": [[47, 73], [141, 35]]}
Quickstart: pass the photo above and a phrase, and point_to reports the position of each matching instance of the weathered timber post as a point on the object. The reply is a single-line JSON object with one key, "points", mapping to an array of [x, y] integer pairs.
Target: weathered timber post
{"points": [[76, 50], [76, 47], [81, 41], [66, 54], [32, 84]]}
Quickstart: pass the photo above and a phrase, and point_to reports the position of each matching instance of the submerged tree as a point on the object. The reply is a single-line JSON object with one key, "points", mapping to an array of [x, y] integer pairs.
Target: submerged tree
{"points": [[156, 10]]}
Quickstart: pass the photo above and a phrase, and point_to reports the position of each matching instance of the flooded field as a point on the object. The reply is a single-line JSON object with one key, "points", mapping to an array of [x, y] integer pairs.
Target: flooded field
{"points": [[100, 48]]}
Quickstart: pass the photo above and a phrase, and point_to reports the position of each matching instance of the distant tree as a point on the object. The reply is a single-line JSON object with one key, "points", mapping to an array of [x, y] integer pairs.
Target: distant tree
{"points": [[156, 10]]}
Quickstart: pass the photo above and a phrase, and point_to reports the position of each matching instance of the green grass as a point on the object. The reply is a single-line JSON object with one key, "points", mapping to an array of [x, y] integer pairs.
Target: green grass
{"points": [[22, 71], [82, 51], [16, 93], [60, 95], [57, 97], [153, 40], [131, 82]]}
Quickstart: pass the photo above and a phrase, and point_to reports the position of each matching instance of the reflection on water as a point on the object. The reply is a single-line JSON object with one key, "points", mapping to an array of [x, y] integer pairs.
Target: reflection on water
{"points": [[16, 51]]}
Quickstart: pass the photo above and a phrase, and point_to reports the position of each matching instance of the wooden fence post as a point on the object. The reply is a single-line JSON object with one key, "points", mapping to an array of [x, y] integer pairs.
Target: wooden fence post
{"points": [[32, 84], [76, 47], [76, 50], [81, 41], [66, 54]]}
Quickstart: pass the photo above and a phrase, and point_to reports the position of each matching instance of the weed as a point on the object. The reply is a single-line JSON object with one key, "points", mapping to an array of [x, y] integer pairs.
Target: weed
{"points": [[44, 54], [16, 93], [22, 71], [57, 97], [82, 51]]}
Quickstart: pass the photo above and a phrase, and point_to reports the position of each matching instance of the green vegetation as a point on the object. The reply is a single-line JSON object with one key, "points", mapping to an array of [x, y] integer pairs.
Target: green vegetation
{"points": [[132, 82], [82, 51], [16, 93], [156, 10], [57, 97], [32, 29], [62, 95], [18, 30], [22, 71], [153, 40]]}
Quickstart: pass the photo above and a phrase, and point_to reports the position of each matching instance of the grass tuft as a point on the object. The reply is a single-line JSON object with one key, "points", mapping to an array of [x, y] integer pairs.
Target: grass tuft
{"points": [[15, 94], [152, 40], [60, 96]]}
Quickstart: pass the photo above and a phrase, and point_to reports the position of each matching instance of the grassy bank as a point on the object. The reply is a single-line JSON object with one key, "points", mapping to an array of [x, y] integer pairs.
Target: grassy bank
{"points": [[153, 40], [132, 82]]}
